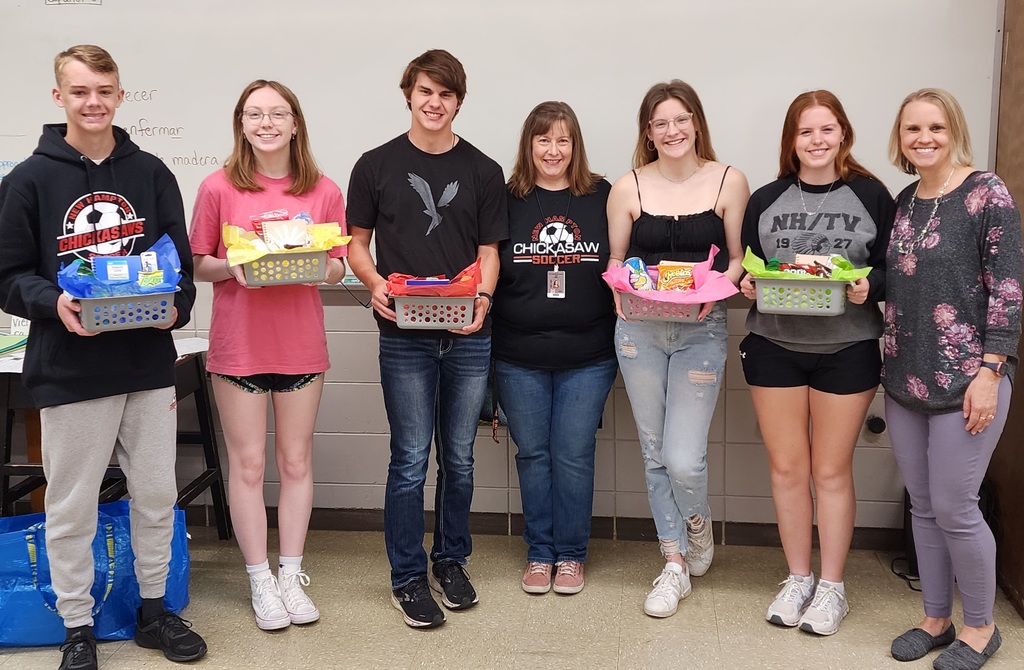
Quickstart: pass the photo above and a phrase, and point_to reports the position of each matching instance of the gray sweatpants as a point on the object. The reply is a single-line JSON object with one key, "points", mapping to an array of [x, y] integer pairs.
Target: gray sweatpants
{"points": [[77, 442], [943, 466]]}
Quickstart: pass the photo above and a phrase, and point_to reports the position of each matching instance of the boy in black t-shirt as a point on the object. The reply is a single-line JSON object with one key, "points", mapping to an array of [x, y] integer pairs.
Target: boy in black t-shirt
{"points": [[437, 204]]}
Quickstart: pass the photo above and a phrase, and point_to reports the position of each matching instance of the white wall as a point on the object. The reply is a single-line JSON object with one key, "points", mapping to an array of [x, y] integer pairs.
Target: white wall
{"points": [[746, 58]]}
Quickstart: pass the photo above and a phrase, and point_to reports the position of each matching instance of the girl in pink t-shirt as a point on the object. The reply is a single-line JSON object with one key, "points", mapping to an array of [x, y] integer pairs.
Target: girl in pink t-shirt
{"points": [[267, 342]]}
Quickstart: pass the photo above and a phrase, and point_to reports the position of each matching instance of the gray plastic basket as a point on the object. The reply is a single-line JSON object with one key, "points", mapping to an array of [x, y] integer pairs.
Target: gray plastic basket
{"points": [[287, 267], [643, 309], [122, 313], [807, 297], [433, 313]]}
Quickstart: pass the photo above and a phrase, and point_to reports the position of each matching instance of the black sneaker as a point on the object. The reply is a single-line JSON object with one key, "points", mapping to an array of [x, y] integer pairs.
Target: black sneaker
{"points": [[417, 605], [79, 651], [170, 634], [452, 581]]}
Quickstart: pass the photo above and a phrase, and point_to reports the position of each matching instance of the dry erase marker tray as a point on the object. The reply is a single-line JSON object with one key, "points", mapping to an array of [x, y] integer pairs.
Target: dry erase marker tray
{"points": [[124, 312], [280, 268], [644, 309], [433, 312], [805, 297]]}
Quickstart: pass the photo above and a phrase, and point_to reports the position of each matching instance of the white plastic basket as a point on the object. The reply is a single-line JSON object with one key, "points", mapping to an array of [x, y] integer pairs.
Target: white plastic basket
{"points": [[806, 297], [433, 312], [287, 267], [643, 309], [122, 313]]}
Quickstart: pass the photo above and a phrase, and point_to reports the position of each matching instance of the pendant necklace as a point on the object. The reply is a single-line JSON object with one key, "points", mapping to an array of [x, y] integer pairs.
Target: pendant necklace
{"points": [[677, 181], [821, 204], [908, 247]]}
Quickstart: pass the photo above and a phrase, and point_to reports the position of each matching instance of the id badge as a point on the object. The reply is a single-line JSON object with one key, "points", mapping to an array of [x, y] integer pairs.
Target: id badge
{"points": [[556, 284]]}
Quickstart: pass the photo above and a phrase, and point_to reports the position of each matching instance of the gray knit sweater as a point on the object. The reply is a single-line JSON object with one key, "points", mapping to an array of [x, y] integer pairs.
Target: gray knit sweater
{"points": [[953, 292]]}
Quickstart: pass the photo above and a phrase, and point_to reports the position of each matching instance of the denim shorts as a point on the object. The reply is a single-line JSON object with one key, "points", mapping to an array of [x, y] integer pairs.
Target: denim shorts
{"points": [[851, 370], [265, 383]]}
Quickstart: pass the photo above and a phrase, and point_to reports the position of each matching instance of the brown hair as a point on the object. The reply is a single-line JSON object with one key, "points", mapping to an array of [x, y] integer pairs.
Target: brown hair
{"points": [[956, 122], [846, 164], [685, 94], [440, 66], [94, 57], [540, 121], [240, 166]]}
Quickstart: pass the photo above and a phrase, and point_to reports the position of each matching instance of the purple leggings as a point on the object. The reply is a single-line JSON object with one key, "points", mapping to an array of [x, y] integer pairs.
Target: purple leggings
{"points": [[942, 466]]}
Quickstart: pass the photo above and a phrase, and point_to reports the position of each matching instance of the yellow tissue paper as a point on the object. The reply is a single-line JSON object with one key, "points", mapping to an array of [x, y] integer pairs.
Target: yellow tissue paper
{"points": [[245, 246]]}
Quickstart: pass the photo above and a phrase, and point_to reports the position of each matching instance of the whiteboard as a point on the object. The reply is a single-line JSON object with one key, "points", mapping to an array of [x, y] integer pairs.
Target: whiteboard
{"points": [[183, 64]]}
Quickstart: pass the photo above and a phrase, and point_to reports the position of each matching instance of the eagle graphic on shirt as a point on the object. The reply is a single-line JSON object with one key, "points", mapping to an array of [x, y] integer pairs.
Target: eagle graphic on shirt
{"points": [[420, 185]]}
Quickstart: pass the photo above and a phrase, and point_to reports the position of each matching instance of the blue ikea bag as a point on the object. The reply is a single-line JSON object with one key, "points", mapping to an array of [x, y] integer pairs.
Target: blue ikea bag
{"points": [[28, 614]]}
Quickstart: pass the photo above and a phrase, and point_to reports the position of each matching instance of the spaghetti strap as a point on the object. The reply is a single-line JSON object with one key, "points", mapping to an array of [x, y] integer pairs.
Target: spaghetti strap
{"points": [[639, 199], [715, 206]]}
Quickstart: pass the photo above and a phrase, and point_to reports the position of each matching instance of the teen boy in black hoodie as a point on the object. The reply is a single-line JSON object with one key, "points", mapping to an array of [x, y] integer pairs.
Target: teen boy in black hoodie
{"points": [[89, 190]]}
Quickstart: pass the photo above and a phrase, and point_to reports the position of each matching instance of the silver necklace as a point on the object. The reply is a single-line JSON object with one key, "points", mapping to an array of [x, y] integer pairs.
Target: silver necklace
{"points": [[821, 204], [677, 181], [908, 248]]}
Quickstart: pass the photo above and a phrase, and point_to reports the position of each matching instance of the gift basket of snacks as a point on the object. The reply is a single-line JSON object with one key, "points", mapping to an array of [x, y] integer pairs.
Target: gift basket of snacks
{"points": [[809, 286], [280, 250], [121, 292], [434, 303], [672, 291]]}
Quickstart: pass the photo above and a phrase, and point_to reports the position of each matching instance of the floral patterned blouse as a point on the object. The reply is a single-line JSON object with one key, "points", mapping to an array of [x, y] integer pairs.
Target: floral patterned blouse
{"points": [[953, 292]]}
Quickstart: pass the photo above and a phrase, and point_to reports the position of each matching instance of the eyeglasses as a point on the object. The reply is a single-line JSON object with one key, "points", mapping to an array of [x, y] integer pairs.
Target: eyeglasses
{"points": [[682, 122], [277, 117]]}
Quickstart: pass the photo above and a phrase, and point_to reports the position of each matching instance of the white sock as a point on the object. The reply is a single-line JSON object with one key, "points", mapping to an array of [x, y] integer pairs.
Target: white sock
{"points": [[838, 586], [289, 564], [260, 571], [806, 580]]}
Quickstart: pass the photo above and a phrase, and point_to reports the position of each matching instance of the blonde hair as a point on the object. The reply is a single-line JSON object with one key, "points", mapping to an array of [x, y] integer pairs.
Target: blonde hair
{"points": [[94, 57], [956, 123], [240, 166]]}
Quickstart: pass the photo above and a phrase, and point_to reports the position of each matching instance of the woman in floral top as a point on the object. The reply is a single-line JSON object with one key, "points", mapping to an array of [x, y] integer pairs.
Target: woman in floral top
{"points": [[952, 322]]}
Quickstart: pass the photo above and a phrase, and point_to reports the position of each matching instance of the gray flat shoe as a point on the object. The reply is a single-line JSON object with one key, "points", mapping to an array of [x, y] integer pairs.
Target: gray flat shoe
{"points": [[960, 656], [916, 643]]}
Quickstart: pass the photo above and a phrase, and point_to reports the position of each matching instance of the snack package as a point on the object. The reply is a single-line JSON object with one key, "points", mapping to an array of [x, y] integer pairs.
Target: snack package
{"points": [[639, 276], [708, 285], [245, 246], [675, 276]]}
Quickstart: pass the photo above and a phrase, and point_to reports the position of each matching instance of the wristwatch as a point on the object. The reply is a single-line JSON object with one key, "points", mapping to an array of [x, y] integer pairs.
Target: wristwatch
{"points": [[490, 299], [998, 367]]}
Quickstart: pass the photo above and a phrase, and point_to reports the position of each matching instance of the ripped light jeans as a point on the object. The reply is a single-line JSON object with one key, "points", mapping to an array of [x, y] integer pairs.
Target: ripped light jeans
{"points": [[673, 371]]}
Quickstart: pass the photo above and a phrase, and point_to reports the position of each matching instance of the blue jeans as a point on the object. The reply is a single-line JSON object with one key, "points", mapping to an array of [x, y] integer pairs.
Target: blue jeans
{"points": [[553, 417], [673, 371], [433, 392]]}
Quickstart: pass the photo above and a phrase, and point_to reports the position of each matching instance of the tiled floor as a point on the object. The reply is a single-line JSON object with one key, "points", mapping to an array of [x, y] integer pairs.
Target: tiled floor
{"points": [[720, 625]]}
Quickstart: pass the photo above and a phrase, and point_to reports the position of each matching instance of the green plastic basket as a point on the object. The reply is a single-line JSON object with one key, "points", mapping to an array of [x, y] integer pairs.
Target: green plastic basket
{"points": [[805, 297]]}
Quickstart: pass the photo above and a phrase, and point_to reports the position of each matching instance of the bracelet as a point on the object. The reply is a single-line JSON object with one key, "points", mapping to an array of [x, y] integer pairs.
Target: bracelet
{"points": [[490, 299]]}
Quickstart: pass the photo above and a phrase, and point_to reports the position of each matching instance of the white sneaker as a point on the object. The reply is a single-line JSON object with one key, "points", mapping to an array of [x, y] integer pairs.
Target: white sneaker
{"points": [[700, 545], [271, 613], [300, 608], [826, 612], [791, 602], [669, 588]]}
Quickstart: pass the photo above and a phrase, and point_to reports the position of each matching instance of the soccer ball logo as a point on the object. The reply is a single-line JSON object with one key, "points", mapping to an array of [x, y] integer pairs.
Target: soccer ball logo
{"points": [[555, 233], [99, 216]]}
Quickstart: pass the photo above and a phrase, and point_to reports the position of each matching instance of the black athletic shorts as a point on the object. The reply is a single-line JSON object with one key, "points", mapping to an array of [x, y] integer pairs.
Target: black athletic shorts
{"points": [[851, 370], [265, 383]]}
